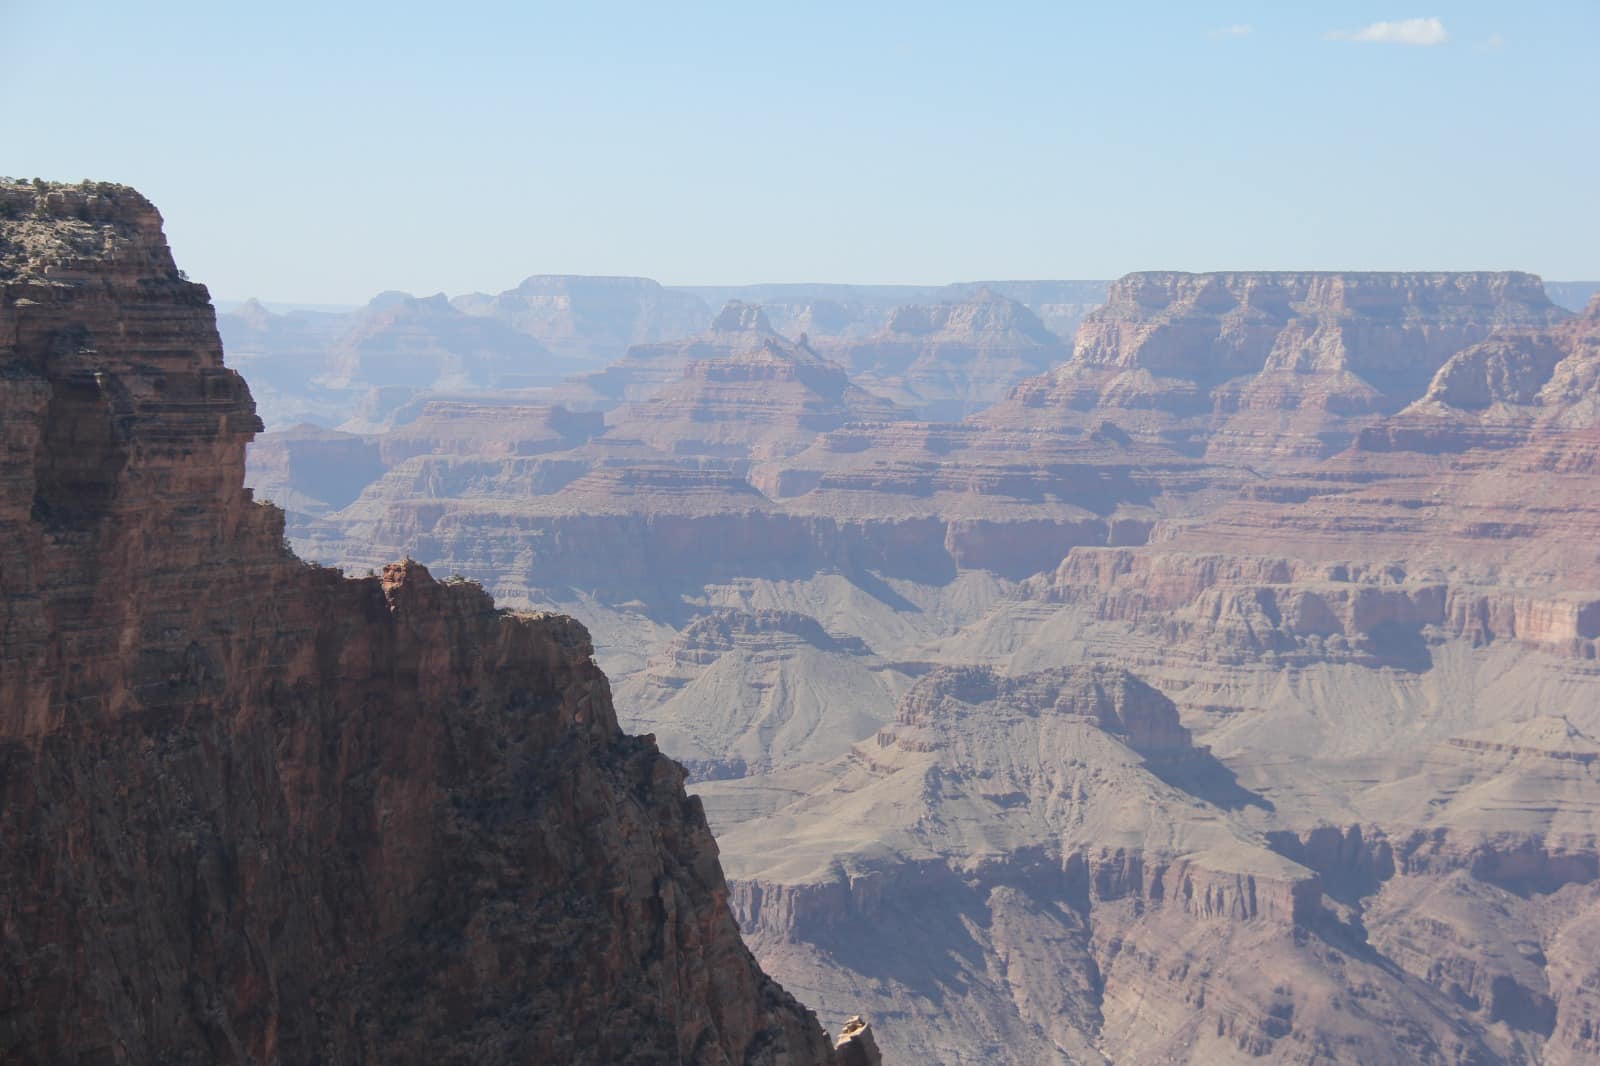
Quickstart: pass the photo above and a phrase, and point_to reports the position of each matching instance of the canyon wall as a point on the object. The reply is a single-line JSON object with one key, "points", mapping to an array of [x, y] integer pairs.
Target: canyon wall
{"points": [[255, 811], [1225, 691]]}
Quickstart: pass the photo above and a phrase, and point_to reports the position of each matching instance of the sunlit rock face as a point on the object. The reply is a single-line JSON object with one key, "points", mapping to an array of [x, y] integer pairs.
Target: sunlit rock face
{"points": [[1272, 367]]}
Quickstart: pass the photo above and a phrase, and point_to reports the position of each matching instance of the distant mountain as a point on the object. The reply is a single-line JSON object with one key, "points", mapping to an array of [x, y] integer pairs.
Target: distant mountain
{"points": [[592, 319], [330, 369], [429, 344], [950, 359], [1573, 295], [646, 368], [765, 400], [826, 310], [354, 366], [1269, 365], [279, 307], [284, 354]]}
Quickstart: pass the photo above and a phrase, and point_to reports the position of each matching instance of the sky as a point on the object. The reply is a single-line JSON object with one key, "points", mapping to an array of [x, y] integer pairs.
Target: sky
{"points": [[325, 152]]}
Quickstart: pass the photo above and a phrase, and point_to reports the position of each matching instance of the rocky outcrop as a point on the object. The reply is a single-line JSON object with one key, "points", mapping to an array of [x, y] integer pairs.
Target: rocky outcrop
{"points": [[855, 1046], [1536, 391], [1115, 701], [255, 811], [1312, 612]]}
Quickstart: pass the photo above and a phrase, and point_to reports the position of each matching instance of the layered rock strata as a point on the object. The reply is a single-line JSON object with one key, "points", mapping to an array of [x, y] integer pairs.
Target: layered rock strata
{"points": [[757, 403], [1343, 523], [1085, 889], [1271, 367], [255, 811]]}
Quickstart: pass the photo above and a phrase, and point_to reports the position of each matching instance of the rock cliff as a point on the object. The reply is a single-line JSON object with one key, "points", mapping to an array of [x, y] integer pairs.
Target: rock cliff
{"points": [[254, 811], [1272, 367]]}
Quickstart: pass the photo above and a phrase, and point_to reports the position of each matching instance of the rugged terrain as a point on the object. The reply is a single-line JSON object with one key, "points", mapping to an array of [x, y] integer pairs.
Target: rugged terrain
{"points": [[255, 811], [951, 359], [1224, 691]]}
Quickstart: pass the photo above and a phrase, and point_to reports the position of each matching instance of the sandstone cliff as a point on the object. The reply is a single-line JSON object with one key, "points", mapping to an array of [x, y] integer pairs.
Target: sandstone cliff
{"points": [[255, 811], [1272, 367]]}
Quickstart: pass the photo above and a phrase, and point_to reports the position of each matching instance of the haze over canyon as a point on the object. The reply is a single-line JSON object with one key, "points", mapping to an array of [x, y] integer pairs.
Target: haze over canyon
{"points": [[1189, 667], [729, 534], [1215, 684]]}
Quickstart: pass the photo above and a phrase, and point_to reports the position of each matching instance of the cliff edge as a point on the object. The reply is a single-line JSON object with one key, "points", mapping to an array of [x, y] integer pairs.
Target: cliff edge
{"points": [[255, 811]]}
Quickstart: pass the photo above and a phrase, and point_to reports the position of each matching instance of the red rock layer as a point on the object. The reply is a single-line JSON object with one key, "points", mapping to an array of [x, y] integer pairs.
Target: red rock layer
{"points": [[255, 812], [1271, 367]]}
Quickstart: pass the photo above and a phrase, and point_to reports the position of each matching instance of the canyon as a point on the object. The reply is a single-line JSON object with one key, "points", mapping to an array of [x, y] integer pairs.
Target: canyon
{"points": [[257, 811], [1218, 686]]}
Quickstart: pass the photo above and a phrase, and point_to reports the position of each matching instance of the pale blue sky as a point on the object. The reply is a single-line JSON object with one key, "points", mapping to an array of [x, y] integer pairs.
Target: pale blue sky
{"points": [[322, 152]]}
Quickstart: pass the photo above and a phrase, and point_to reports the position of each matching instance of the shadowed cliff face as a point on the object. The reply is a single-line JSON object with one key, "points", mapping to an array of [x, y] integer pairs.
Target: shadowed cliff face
{"points": [[255, 812]]}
